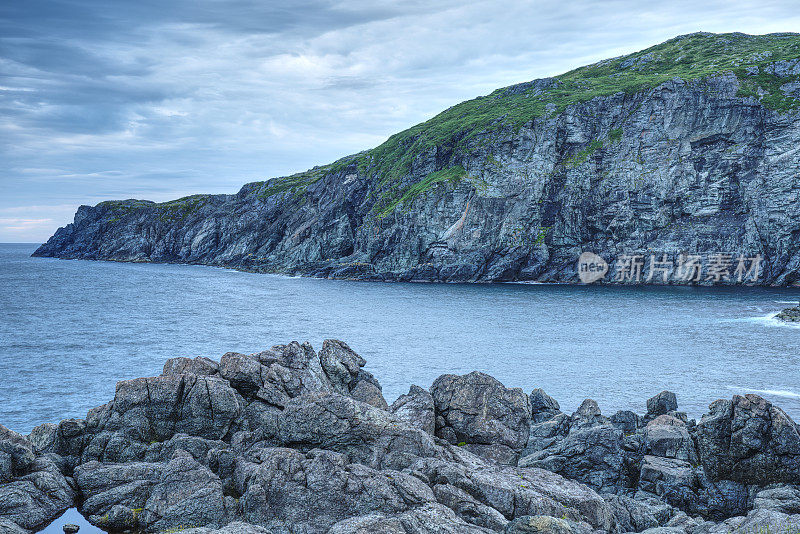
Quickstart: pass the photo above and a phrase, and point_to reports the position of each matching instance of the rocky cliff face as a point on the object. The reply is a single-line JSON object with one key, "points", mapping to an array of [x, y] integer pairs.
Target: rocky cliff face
{"points": [[291, 440], [684, 154]]}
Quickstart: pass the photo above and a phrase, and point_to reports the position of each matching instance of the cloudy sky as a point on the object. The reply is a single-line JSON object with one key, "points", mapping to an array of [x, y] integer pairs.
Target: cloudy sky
{"points": [[156, 99]]}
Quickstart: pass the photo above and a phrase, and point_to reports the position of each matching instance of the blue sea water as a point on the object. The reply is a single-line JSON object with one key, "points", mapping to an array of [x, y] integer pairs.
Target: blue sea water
{"points": [[69, 330]]}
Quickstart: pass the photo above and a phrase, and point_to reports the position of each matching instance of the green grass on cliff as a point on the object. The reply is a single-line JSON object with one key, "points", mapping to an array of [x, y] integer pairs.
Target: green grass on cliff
{"points": [[170, 211], [689, 58]]}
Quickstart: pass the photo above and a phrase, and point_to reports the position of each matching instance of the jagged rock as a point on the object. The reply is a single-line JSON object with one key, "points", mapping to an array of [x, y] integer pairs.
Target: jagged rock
{"points": [[538, 524], [588, 413], [543, 435], [365, 433], [749, 440], [468, 508], [631, 515], [668, 437], [626, 420], [492, 420], [757, 521], [198, 366], [661, 404], [784, 499], [33, 491], [151, 496], [203, 444], [689, 489], [416, 408], [16, 455], [543, 406], [429, 518], [311, 492], [154, 409], [590, 454], [515, 492]]}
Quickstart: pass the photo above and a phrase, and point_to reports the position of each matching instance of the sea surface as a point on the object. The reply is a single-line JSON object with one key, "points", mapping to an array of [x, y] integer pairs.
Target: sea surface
{"points": [[69, 330]]}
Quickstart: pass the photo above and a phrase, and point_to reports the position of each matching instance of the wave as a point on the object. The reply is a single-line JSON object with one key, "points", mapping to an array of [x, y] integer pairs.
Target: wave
{"points": [[768, 320], [795, 302], [775, 392]]}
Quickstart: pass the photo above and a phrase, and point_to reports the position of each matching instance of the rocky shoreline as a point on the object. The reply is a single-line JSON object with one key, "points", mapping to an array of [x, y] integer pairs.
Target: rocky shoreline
{"points": [[690, 180], [291, 440]]}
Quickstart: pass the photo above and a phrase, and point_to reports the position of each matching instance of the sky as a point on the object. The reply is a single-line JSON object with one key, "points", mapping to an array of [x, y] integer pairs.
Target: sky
{"points": [[154, 99]]}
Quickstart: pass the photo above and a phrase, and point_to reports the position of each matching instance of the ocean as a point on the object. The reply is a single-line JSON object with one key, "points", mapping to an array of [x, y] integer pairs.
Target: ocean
{"points": [[69, 330]]}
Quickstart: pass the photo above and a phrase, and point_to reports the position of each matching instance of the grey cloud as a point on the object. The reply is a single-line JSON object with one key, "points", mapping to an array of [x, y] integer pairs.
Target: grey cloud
{"points": [[159, 99]]}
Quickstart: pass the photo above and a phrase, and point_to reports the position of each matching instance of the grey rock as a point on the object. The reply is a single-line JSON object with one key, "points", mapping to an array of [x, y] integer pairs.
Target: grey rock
{"points": [[70, 528], [663, 403], [631, 515], [758, 520], [668, 437], [784, 499], [314, 491], [515, 492], [590, 454], [365, 433], [749, 440], [468, 508], [481, 412], [588, 413], [198, 366], [37, 493], [626, 420], [538, 524], [416, 408], [429, 518], [543, 406], [151, 496]]}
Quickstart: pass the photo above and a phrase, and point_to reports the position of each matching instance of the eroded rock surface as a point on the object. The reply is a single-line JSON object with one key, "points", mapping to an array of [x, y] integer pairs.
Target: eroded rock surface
{"points": [[293, 441]]}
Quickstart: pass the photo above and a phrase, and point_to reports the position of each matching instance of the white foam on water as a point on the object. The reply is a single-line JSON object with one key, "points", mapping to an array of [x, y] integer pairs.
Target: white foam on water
{"points": [[775, 392], [795, 302], [769, 320]]}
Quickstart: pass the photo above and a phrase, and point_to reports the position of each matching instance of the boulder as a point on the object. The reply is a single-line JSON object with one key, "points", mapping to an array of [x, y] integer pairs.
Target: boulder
{"points": [[749, 440], [631, 515], [491, 420], [668, 437], [514, 491], [663, 403], [590, 454], [430, 518], [784, 499], [365, 433], [311, 492], [36, 492], [543, 406], [151, 496], [416, 408]]}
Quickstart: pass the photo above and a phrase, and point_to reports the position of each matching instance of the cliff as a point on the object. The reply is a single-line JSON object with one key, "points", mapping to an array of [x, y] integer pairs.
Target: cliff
{"points": [[689, 149], [291, 440]]}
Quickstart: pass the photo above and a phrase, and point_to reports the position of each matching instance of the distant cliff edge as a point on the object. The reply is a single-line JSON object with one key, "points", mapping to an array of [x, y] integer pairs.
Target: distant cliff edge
{"points": [[676, 164]]}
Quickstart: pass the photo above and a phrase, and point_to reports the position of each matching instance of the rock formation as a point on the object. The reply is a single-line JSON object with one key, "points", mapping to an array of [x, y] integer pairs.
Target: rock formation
{"points": [[676, 164], [291, 440]]}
